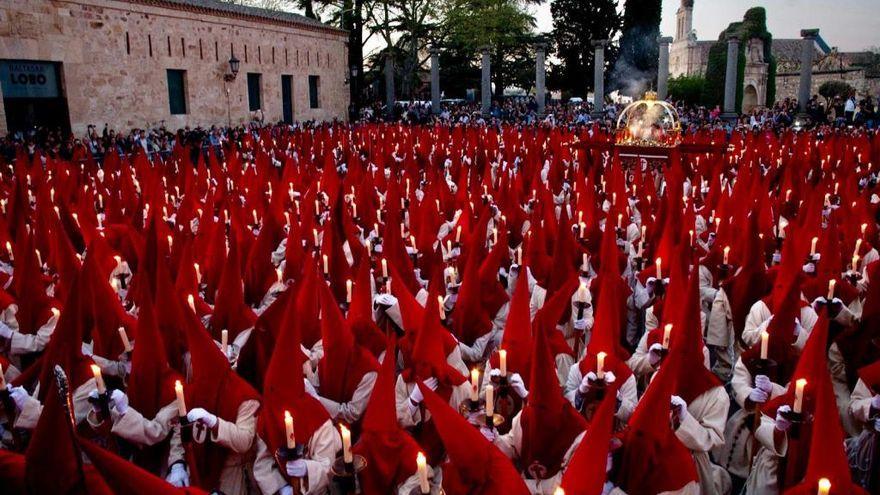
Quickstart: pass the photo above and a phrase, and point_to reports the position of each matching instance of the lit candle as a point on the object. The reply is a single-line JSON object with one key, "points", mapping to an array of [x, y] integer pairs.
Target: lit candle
{"points": [[315, 236], [422, 464], [440, 304], [582, 227], [726, 254], [855, 251], [800, 384], [384, 268], [765, 343], [458, 234], [831, 284], [475, 384], [864, 228], [191, 301], [198, 273], [288, 429], [502, 358], [494, 235], [667, 330], [559, 491], [224, 341], [813, 246], [490, 401], [855, 263], [126, 344], [346, 444], [519, 255], [326, 264], [9, 248], [600, 365], [99, 380], [658, 262], [824, 487], [348, 291], [181, 403], [170, 242]]}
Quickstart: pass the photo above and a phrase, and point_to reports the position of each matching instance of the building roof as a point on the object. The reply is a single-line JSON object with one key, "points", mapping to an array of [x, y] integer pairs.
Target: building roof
{"points": [[229, 9], [789, 49]]}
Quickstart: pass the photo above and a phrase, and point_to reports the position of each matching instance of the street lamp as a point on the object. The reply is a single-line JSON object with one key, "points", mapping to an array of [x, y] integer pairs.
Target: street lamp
{"points": [[228, 78]]}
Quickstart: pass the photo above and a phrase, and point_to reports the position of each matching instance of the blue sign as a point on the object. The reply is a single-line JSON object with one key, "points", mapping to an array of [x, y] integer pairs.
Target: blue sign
{"points": [[26, 79]]}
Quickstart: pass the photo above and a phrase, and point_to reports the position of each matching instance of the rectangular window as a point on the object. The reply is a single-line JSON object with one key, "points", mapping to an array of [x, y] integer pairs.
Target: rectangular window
{"points": [[177, 91], [287, 98], [127, 44], [314, 87], [254, 83]]}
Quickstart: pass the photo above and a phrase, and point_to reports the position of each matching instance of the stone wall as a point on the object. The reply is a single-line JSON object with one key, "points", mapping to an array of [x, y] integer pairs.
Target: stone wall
{"points": [[787, 84], [114, 57]]}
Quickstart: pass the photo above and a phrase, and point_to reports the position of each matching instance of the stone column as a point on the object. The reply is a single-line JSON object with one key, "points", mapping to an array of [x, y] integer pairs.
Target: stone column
{"points": [[663, 68], [730, 78], [540, 75], [435, 81], [807, 51], [599, 77], [486, 81], [389, 84]]}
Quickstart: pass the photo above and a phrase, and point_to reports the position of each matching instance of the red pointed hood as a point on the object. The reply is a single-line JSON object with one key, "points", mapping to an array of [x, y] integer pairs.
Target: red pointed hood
{"points": [[230, 311], [125, 477], [475, 466], [517, 339], [585, 473]]}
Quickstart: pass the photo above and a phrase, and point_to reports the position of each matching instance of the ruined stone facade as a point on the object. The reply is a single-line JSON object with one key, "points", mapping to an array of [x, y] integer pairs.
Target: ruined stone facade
{"points": [[112, 60]]}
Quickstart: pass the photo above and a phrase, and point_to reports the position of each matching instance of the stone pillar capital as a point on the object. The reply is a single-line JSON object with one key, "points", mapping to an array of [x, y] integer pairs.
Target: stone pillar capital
{"points": [[664, 40], [733, 39], [599, 43], [434, 50], [809, 34], [484, 49], [540, 46]]}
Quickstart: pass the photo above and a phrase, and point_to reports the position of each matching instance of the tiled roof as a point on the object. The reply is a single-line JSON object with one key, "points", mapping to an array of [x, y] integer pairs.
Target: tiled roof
{"points": [[789, 50], [245, 11]]}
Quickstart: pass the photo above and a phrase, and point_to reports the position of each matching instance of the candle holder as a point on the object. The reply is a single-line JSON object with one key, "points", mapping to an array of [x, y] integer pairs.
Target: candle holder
{"points": [[853, 277], [103, 403], [285, 454], [345, 478], [507, 404], [639, 263], [186, 429], [724, 270], [798, 420]]}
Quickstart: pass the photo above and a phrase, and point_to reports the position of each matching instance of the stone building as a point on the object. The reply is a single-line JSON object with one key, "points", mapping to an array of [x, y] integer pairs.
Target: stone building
{"points": [[689, 56], [71, 63]]}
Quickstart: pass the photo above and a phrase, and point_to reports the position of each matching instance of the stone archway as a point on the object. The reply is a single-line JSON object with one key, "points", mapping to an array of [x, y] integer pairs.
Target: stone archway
{"points": [[750, 98]]}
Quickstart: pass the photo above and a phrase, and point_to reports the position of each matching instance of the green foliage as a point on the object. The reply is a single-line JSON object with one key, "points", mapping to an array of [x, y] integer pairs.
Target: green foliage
{"points": [[832, 89], [575, 24], [687, 88], [505, 26], [639, 49], [753, 25]]}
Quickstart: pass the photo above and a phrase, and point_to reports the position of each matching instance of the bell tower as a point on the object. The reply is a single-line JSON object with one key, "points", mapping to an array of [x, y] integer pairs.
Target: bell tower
{"points": [[684, 20]]}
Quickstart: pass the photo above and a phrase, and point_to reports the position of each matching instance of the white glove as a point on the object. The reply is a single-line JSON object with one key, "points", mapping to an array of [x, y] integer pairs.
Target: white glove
{"points": [[654, 354], [875, 402], [758, 396], [285, 490], [516, 383], [119, 401], [385, 300], [310, 389], [178, 476], [580, 324], [416, 395], [19, 395], [679, 406], [296, 468], [86, 349], [610, 377], [777, 258], [5, 331], [202, 416], [763, 383], [782, 424], [488, 433], [584, 387], [809, 268]]}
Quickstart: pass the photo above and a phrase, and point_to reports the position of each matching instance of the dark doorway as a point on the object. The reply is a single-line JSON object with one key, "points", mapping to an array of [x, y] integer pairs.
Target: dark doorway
{"points": [[287, 98], [33, 95]]}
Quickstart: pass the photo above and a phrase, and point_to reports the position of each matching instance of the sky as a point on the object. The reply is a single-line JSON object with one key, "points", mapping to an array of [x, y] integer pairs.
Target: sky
{"points": [[850, 25]]}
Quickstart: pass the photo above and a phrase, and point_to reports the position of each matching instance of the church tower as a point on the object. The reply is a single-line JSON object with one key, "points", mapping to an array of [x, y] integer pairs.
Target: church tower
{"points": [[685, 20]]}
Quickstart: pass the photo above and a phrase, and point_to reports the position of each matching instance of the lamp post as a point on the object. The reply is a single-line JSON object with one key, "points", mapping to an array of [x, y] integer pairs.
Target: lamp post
{"points": [[228, 77]]}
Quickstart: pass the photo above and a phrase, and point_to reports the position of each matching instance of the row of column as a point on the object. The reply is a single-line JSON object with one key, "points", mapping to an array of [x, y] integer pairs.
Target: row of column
{"points": [[730, 77]]}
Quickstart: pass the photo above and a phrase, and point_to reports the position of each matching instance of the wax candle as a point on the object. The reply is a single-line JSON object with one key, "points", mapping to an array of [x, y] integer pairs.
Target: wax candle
{"points": [[800, 384], [2, 378], [582, 228], [855, 263], [99, 379], [458, 234], [422, 464], [279, 275], [559, 491], [502, 359], [441, 305], [198, 273], [600, 365], [126, 344], [384, 268], [584, 259], [9, 248], [765, 343], [288, 429], [824, 486], [181, 403], [326, 264], [813, 245], [519, 256], [726, 254], [659, 262], [831, 284], [191, 301], [475, 385], [490, 401], [667, 330], [858, 247], [348, 291], [224, 341], [346, 444]]}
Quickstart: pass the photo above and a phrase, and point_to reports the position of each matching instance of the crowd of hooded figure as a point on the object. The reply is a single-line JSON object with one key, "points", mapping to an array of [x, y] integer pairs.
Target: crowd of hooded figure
{"points": [[391, 309]]}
